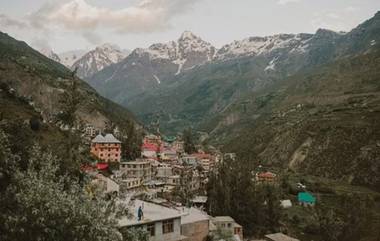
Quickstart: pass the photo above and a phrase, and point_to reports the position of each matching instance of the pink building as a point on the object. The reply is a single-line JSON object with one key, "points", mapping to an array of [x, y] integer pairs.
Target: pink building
{"points": [[106, 148]]}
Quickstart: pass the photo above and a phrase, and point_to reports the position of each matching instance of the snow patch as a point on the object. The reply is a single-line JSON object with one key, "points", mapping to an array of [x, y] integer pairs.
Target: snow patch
{"points": [[272, 64], [157, 79]]}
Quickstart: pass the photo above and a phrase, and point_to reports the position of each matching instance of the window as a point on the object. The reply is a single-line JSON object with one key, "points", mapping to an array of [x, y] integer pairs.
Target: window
{"points": [[229, 225], [151, 229], [168, 226]]}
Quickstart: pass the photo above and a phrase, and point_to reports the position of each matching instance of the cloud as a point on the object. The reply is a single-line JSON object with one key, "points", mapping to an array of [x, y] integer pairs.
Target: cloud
{"points": [[92, 38], [340, 20], [80, 16], [284, 2], [6, 21]]}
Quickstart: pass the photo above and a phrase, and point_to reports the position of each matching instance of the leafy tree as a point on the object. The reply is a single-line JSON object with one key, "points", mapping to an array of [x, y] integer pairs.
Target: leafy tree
{"points": [[188, 139], [131, 143], [39, 204], [345, 222], [232, 191], [135, 234]]}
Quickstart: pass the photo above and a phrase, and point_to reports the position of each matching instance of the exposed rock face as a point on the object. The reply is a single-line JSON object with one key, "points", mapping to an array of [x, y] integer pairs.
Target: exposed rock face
{"points": [[145, 69], [97, 59]]}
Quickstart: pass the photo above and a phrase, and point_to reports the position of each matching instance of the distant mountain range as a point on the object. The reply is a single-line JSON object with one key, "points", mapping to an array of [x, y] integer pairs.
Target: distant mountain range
{"points": [[204, 80], [88, 63], [279, 99]]}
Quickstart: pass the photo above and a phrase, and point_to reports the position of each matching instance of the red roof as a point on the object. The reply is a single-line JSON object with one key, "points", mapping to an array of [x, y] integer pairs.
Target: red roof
{"points": [[150, 147], [267, 175], [102, 166]]}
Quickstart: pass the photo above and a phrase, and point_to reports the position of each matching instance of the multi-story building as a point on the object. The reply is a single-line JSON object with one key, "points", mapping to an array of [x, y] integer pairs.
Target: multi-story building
{"points": [[227, 224], [106, 148], [195, 224], [131, 183], [162, 223], [90, 130], [137, 169], [164, 171]]}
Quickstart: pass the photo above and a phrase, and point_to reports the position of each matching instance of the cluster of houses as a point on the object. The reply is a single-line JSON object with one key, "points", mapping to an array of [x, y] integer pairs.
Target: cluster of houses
{"points": [[149, 185], [163, 165]]}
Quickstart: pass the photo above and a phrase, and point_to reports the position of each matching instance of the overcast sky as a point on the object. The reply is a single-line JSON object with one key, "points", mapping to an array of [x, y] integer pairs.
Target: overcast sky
{"points": [[82, 24]]}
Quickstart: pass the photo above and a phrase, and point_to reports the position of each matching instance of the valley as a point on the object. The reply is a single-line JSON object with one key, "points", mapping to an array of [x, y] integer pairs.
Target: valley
{"points": [[265, 138]]}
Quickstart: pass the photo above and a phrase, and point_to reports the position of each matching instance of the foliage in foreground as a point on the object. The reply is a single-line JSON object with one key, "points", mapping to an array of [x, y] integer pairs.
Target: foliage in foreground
{"points": [[40, 204]]}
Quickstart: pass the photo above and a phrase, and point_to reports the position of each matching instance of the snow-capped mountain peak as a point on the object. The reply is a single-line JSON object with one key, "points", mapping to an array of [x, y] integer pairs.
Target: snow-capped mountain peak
{"points": [[48, 52], [97, 59], [263, 45], [188, 51]]}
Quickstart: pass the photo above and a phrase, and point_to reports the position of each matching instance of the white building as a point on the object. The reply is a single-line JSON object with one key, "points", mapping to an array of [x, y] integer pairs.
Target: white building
{"points": [[162, 223], [137, 169]]}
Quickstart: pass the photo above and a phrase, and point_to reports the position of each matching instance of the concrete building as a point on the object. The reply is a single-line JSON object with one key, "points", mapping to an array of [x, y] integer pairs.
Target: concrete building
{"points": [[227, 224], [195, 224], [162, 223], [169, 155], [90, 131], [106, 184], [106, 148], [131, 183], [137, 169], [164, 171], [174, 180], [189, 160]]}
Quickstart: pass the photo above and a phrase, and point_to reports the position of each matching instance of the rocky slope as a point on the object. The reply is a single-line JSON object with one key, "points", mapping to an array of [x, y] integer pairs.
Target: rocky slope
{"points": [[46, 86], [205, 92], [325, 122], [97, 59], [146, 69]]}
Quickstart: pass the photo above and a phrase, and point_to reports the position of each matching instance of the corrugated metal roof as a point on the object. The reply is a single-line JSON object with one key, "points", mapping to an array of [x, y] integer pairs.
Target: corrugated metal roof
{"points": [[109, 138]]}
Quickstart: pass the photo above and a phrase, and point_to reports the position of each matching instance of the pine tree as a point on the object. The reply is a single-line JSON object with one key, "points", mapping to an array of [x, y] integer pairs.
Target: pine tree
{"points": [[188, 139]]}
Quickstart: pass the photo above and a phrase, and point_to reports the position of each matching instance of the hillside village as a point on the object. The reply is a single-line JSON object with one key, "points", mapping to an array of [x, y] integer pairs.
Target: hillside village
{"points": [[118, 122], [165, 188]]}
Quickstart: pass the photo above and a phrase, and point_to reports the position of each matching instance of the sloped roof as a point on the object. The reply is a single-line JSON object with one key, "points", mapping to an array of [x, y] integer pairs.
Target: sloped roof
{"points": [[98, 139], [109, 138]]}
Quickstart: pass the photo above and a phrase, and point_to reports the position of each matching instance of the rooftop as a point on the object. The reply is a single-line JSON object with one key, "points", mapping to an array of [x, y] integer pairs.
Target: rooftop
{"points": [[199, 199], [136, 162], [223, 219], [192, 215], [152, 213], [109, 138], [280, 237], [306, 197]]}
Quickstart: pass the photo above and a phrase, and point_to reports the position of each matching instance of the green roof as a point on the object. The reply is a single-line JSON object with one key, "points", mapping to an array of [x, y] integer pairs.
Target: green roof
{"points": [[306, 197], [169, 138]]}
